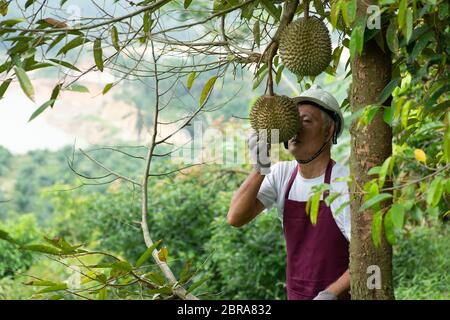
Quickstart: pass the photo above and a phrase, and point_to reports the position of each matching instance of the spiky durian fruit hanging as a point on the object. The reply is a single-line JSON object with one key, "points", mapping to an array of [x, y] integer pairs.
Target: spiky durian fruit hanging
{"points": [[305, 46], [275, 112]]}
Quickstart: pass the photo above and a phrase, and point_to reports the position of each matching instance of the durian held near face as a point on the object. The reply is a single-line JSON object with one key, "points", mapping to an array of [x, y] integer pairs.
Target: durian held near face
{"points": [[285, 116]]}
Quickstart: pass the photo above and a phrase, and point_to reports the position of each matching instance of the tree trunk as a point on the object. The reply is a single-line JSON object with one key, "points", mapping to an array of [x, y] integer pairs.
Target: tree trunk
{"points": [[370, 146]]}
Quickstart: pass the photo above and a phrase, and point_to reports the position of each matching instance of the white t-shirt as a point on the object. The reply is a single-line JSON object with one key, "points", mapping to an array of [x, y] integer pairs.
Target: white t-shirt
{"points": [[274, 186]]}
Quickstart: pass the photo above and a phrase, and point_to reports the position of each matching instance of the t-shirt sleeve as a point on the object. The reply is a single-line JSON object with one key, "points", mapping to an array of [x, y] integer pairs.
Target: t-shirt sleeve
{"points": [[268, 193], [342, 204], [343, 217]]}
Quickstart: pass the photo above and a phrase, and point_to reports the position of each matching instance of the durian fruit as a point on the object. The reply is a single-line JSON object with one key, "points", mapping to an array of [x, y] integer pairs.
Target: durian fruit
{"points": [[305, 46], [275, 112]]}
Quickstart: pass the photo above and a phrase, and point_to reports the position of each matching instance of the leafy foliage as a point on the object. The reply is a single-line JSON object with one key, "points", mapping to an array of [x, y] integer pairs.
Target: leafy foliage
{"points": [[24, 230]]}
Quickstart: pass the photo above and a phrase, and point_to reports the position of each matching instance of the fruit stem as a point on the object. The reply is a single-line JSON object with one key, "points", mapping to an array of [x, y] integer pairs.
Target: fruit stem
{"points": [[306, 9], [269, 65]]}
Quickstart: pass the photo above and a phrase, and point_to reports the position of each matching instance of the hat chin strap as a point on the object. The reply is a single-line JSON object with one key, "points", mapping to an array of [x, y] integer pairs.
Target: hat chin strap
{"points": [[315, 155]]}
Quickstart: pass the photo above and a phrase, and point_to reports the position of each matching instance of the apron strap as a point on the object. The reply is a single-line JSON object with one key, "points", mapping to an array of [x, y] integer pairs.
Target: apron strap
{"points": [[328, 176]]}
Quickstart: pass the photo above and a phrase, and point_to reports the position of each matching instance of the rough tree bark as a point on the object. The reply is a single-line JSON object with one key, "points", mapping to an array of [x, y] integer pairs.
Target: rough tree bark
{"points": [[370, 146]]}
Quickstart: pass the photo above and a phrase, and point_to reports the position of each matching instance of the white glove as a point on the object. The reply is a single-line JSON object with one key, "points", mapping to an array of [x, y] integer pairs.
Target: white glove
{"points": [[325, 295], [259, 150]]}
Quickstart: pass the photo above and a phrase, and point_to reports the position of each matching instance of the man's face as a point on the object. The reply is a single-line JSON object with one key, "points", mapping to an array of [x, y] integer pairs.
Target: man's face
{"points": [[313, 132]]}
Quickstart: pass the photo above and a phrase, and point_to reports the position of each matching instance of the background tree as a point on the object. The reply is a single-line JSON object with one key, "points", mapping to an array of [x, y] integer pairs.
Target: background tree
{"points": [[409, 48]]}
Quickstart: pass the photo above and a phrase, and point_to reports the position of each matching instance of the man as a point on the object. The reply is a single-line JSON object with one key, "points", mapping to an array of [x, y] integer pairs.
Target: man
{"points": [[317, 255]]}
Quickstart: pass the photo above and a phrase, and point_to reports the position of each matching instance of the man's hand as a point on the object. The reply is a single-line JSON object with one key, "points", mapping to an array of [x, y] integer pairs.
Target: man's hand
{"points": [[325, 295], [339, 288], [259, 150]]}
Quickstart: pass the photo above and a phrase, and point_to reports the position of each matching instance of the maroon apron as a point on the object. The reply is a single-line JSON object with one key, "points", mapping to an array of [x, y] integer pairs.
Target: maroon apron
{"points": [[317, 255]]}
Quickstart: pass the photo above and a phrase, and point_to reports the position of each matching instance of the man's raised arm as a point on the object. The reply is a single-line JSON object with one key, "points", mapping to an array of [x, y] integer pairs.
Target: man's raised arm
{"points": [[244, 205]]}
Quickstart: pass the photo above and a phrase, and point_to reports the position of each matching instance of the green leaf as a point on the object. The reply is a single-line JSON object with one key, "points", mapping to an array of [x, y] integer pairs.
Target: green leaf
{"points": [[62, 244], [25, 82], [279, 74], [434, 192], [377, 228], [4, 8], [314, 212], [275, 61], [374, 171], [351, 10], [20, 38], [65, 64], [342, 207], [187, 3], [42, 108], [147, 22], [102, 265], [98, 54], [260, 78], [121, 266], [397, 212], [107, 87], [40, 283], [271, 9], [5, 236], [115, 38], [207, 89], [56, 41], [59, 287], [389, 228], [55, 92], [334, 13], [4, 86], [337, 56], [247, 10], [409, 25], [388, 115], [387, 91], [185, 274], [163, 254], [155, 277], [319, 7], [372, 189], [357, 37], [5, 66], [78, 41], [197, 284], [405, 113], [375, 200], [308, 205], [401, 13], [261, 70], [368, 115], [78, 88], [344, 13], [391, 37], [383, 171], [257, 33], [41, 248], [103, 294], [420, 45], [164, 290], [372, 112], [331, 197], [191, 79], [11, 22], [147, 254]]}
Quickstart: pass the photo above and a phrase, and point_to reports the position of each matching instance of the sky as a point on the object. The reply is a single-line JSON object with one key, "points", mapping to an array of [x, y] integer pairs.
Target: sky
{"points": [[20, 136], [17, 134]]}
